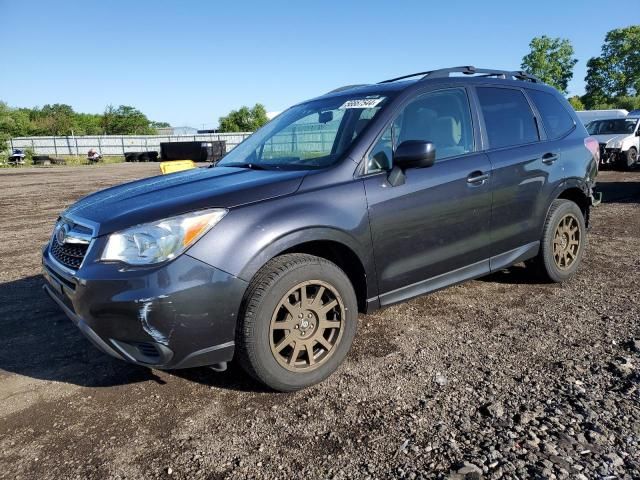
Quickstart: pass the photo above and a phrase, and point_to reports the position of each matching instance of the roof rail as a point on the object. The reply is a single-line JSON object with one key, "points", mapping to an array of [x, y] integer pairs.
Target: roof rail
{"points": [[347, 87], [470, 70]]}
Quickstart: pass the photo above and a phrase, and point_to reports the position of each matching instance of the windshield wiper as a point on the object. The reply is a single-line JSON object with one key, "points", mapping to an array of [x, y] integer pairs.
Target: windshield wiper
{"points": [[252, 166]]}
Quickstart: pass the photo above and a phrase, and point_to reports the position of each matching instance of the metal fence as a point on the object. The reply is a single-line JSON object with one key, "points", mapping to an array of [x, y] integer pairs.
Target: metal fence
{"points": [[115, 144], [310, 139]]}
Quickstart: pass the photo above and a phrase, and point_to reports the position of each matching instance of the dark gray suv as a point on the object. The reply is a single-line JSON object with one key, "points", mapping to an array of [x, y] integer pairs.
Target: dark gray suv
{"points": [[365, 196]]}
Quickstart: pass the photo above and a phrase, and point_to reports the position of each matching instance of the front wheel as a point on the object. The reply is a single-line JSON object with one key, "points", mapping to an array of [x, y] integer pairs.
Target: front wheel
{"points": [[298, 321], [630, 158], [563, 242]]}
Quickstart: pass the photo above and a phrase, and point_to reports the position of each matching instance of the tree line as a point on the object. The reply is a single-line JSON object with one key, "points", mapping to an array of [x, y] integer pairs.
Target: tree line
{"points": [[613, 77], [60, 119]]}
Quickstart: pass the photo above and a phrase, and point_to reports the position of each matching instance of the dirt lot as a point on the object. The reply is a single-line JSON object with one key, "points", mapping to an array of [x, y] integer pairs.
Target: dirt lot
{"points": [[499, 377]]}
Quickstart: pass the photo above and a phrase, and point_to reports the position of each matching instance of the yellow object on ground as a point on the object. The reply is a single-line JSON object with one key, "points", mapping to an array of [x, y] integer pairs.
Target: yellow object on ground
{"points": [[176, 166]]}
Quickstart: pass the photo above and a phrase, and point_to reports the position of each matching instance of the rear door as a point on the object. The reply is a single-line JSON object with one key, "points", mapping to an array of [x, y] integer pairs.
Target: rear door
{"points": [[525, 171], [437, 222]]}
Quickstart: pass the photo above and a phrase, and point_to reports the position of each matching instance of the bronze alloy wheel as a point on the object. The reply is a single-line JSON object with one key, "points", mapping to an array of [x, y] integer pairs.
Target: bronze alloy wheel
{"points": [[306, 326], [566, 241]]}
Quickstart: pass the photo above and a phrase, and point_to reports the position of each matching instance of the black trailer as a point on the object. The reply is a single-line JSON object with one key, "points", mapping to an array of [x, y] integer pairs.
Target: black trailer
{"points": [[207, 151]]}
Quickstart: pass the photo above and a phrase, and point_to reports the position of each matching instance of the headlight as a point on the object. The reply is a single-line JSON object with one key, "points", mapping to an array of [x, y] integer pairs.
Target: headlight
{"points": [[162, 240], [615, 144]]}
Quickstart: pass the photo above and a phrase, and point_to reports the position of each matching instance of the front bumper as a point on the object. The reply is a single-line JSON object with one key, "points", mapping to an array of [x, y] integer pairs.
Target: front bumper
{"points": [[609, 155], [177, 315]]}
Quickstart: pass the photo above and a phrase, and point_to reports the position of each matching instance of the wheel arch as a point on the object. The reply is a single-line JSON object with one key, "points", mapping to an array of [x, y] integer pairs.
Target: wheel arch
{"points": [[327, 243], [575, 191], [577, 196]]}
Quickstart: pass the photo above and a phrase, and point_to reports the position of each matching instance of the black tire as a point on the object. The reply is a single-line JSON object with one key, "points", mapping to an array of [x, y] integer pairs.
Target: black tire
{"points": [[266, 291], [630, 158], [545, 265]]}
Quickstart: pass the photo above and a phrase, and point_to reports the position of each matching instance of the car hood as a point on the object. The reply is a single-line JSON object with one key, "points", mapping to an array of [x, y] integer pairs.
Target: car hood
{"points": [[608, 138], [154, 198]]}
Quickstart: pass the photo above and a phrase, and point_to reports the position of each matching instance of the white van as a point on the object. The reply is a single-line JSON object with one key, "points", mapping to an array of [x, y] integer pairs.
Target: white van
{"points": [[587, 116]]}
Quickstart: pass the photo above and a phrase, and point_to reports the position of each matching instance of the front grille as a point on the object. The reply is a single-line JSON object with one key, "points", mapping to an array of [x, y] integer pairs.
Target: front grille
{"points": [[68, 254]]}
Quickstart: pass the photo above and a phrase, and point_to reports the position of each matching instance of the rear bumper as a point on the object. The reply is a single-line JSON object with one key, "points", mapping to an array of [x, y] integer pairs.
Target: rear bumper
{"points": [[178, 315]]}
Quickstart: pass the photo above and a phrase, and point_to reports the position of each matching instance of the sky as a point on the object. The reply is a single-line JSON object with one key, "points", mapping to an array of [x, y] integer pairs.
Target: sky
{"points": [[190, 62]]}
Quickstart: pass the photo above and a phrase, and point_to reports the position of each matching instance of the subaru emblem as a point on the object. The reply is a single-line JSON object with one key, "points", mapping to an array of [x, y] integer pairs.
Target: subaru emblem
{"points": [[61, 233]]}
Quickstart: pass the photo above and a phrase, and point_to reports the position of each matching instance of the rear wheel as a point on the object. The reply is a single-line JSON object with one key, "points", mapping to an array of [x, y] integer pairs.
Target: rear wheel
{"points": [[298, 322], [563, 242]]}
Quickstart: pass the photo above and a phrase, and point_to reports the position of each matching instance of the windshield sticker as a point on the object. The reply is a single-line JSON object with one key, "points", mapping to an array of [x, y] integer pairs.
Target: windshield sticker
{"points": [[361, 103]]}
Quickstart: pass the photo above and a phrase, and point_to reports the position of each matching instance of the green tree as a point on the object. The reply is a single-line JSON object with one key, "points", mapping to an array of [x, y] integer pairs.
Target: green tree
{"points": [[126, 120], [552, 60], [245, 119], [598, 83], [576, 102], [61, 119], [14, 122], [88, 124], [626, 102], [616, 72], [5, 125], [160, 124]]}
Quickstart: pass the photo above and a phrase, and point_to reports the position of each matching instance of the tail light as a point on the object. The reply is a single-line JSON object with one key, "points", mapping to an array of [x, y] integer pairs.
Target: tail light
{"points": [[594, 147]]}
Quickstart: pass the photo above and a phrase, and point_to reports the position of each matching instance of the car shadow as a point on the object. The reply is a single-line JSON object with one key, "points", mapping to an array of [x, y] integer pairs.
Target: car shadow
{"points": [[37, 340], [619, 192], [233, 378], [517, 274]]}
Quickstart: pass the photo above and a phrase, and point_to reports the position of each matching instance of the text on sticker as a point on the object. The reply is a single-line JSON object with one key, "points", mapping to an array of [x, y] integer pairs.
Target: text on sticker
{"points": [[361, 103]]}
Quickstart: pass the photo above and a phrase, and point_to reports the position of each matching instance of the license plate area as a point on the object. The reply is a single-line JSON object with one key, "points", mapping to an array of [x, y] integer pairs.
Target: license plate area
{"points": [[61, 287], [55, 285]]}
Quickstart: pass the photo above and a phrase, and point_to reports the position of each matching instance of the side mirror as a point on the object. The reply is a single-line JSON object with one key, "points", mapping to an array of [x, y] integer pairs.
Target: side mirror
{"points": [[414, 154]]}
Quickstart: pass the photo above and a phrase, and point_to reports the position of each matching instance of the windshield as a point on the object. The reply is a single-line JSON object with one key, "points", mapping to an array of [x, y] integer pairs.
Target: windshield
{"points": [[307, 136], [613, 126]]}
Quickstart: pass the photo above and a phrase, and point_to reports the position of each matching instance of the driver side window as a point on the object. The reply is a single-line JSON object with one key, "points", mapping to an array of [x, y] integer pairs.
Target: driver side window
{"points": [[442, 117]]}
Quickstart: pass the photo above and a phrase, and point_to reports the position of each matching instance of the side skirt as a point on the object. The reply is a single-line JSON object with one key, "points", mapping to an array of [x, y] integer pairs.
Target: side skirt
{"points": [[516, 255], [475, 270], [435, 283]]}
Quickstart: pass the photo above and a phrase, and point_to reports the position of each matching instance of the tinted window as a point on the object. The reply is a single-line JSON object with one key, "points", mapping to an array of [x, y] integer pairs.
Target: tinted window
{"points": [[555, 118], [441, 117], [507, 116]]}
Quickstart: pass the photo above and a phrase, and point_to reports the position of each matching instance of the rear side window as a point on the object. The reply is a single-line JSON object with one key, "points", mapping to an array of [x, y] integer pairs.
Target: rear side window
{"points": [[555, 118], [507, 117]]}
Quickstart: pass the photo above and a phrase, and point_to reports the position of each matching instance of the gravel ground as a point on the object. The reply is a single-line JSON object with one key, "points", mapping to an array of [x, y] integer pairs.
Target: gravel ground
{"points": [[500, 377]]}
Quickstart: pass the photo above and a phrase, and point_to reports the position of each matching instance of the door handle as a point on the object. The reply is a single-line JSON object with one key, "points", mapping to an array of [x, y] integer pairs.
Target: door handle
{"points": [[549, 158], [477, 177]]}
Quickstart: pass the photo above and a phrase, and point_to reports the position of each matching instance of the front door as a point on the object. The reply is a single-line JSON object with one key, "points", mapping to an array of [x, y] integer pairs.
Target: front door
{"points": [[433, 229]]}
